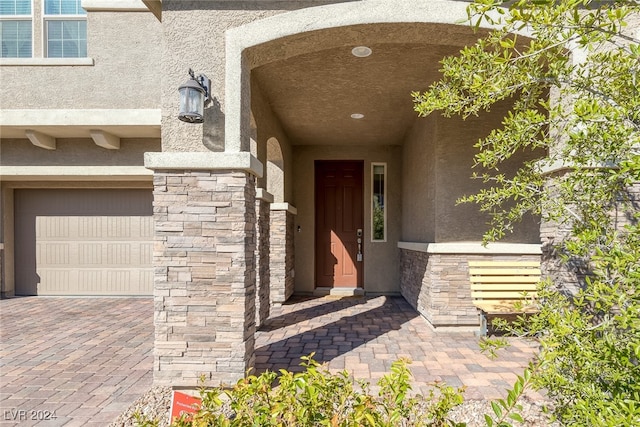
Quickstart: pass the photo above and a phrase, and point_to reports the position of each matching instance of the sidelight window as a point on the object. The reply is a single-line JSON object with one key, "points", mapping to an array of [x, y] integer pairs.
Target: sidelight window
{"points": [[378, 200]]}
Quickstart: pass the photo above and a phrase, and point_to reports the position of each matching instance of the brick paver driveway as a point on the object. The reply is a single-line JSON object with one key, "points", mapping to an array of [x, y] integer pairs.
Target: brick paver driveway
{"points": [[365, 335], [87, 359], [82, 360]]}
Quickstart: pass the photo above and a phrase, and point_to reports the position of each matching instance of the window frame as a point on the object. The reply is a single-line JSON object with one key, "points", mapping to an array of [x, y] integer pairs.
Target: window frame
{"points": [[46, 18], [385, 201], [25, 18]]}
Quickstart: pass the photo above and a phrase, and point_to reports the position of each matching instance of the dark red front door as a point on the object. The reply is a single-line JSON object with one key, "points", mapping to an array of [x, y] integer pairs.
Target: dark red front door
{"points": [[339, 223]]}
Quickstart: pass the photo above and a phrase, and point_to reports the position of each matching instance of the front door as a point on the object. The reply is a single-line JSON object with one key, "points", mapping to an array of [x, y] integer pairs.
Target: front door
{"points": [[339, 224]]}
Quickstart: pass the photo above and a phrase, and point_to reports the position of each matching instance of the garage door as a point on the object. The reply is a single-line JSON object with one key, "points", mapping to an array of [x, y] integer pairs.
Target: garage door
{"points": [[83, 242]]}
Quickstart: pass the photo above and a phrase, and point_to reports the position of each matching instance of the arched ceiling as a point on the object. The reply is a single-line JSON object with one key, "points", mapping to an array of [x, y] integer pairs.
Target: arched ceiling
{"points": [[314, 83]]}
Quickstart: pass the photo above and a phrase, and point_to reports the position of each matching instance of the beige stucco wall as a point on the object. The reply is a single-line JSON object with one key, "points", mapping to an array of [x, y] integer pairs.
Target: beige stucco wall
{"points": [[437, 166], [418, 174], [455, 139], [268, 127], [207, 22], [380, 258], [76, 152], [125, 48]]}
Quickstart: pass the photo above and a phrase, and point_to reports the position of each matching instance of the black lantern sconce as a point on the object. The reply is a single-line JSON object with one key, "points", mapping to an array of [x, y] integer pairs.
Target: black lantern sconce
{"points": [[194, 93]]}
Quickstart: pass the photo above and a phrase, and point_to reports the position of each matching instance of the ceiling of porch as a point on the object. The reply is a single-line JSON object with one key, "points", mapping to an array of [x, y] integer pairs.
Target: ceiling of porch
{"points": [[315, 92]]}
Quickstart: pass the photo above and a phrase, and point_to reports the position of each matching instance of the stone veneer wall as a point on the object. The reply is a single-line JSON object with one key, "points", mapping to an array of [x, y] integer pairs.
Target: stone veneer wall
{"points": [[570, 274], [3, 294], [204, 290], [438, 287], [282, 255], [263, 285]]}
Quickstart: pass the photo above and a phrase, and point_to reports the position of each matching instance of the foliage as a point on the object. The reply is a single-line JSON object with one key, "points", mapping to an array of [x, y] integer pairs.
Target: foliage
{"points": [[574, 87], [316, 397], [508, 409], [378, 219], [142, 421]]}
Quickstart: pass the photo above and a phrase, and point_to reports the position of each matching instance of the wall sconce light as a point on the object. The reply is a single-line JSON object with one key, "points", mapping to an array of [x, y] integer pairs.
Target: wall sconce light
{"points": [[194, 93]]}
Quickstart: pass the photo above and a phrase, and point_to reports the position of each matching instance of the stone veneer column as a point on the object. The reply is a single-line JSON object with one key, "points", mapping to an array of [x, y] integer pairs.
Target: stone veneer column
{"points": [[204, 285], [263, 282], [282, 254], [434, 277]]}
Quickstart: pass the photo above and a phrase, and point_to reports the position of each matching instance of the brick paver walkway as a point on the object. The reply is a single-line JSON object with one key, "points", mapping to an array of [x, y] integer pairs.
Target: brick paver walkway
{"points": [[365, 335], [83, 359], [88, 359]]}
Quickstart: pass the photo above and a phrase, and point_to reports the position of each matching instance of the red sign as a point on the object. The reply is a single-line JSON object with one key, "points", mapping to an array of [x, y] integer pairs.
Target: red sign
{"points": [[182, 403]]}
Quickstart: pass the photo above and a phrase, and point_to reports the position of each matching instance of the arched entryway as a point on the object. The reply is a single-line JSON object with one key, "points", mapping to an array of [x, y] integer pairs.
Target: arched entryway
{"points": [[337, 81], [330, 84]]}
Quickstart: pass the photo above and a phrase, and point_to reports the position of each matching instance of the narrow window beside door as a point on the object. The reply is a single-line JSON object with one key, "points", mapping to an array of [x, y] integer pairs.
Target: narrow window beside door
{"points": [[378, 199]]}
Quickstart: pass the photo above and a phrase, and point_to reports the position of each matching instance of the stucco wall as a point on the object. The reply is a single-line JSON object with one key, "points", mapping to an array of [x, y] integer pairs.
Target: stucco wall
{"points": [[454, 161], [126, 51], [76, 152], [419, 176], [437, 167], [180, 20], [268, 127], [380, 258]]}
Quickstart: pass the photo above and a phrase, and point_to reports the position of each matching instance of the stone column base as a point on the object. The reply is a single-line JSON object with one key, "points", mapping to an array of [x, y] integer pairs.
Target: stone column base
{"points": [[204, 288], [434, 278], [282, 255]]}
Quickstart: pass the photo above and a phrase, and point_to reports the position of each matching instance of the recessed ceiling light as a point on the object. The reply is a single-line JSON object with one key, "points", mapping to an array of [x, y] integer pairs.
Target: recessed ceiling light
{"points": [[361, 51], [357, 116]]}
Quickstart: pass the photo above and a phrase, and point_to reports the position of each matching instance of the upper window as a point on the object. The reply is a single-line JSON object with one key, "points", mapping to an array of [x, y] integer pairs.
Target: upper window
{"points": [[16, 35], [65, 29]]}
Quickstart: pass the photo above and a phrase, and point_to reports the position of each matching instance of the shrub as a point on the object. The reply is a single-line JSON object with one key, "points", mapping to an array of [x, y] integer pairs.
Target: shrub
{"points": [[317, 397]]}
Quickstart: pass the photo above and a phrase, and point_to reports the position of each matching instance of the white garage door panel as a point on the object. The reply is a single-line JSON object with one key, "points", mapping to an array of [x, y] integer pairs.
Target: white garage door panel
{"points": [[83, 242], [96, 255]]}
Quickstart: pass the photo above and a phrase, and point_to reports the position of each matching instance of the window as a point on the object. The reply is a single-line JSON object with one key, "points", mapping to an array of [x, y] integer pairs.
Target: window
{"points": [[16, 35], [378, 200], [65, 29]]}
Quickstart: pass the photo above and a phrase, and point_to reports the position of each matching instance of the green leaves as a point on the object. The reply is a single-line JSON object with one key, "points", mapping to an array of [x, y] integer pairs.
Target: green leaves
{"points": [[317, 397], [574, 91], [506, 410]]}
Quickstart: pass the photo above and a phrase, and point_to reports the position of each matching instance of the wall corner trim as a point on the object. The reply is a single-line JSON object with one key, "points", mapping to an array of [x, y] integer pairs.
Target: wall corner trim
{"points": [[473, 248], [210, 161], [264, 195], [284, 207], [75, 173], [46, 62], [114, 5]]}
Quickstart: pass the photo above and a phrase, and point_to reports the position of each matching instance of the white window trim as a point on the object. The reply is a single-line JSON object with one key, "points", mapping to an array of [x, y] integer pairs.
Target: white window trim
{"points": [[43, 26], [386, 204], [45, 62], [22, 18], [50, 18], [114, 5]]}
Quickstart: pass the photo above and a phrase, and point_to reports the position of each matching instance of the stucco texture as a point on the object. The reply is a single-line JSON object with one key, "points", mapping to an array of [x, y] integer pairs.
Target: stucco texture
{"points": [[125, 74], [380, 258], [438, 164], [76, 152]]}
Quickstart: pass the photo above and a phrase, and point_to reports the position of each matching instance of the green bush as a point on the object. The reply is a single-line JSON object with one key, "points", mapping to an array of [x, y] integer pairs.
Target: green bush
{"points": [[317, 397]]}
